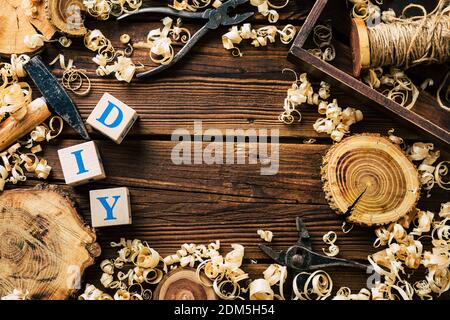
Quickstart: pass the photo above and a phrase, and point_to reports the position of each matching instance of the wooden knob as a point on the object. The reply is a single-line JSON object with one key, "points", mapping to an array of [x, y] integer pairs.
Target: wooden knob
{"points": [[359, 39], [370, 179], [183, 284]]}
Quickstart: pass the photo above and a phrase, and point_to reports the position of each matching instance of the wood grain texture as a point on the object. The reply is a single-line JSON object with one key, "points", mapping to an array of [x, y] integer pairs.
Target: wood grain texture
{"points": [[45, 247]]}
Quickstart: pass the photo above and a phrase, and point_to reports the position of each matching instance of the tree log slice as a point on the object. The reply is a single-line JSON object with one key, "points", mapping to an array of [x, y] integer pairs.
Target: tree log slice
{"points": [[16, 24], [45, 247], [183, 284], [370, 180], [66, 16]]}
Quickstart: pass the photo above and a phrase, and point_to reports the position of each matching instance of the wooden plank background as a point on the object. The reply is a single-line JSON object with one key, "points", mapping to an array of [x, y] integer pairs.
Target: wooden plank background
{"points": [[174, 204]]}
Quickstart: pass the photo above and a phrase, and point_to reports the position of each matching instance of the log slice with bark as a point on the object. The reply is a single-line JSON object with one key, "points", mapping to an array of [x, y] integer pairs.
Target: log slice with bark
{"points": [[44, 247], [369, 180]]}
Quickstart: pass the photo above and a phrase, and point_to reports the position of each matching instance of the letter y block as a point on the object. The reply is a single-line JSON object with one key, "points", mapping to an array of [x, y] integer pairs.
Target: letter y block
{"points": [[112, 117], [81, 163], [110, 207]]}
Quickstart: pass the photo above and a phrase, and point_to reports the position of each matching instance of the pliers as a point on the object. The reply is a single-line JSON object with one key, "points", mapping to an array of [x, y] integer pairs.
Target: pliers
{"points": [[300, 257], [215, 18]]}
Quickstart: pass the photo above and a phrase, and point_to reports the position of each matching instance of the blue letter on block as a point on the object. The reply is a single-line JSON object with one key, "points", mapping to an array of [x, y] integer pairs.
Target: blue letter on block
{"points": [[80, 163], [109, 209], [107, 112]]}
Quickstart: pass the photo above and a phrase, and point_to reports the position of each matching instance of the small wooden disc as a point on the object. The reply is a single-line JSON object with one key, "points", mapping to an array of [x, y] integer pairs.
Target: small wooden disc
{"points": [[370, 179], [183, 284], [359, 39], [44, 247]]}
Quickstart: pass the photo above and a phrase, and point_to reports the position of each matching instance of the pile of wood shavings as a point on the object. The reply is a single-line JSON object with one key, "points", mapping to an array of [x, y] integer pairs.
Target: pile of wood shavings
{"points": [[15, 96], [336, 122], [425, 156], [259, 37], [405, 253], [139, 266], [103, 9], [109, 60], [265, 7]]}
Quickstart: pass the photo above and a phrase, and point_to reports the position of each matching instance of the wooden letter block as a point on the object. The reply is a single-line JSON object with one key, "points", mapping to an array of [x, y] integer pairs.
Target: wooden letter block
{"points": [[110, 207], [112, 117], [81, 163]]}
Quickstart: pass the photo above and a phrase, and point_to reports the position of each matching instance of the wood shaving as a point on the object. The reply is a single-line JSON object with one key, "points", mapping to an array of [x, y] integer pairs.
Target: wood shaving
{"points": [[336, 123], [260, 290], [404, 251], [265, 235], [160, 41], [431, 174], [322, 37], [366, 10], [446, 94], [104, 9], [330, 238], [394, 84], [259, 37], [276, 274], [123, 67], [37, 40], [73, 79], [268, 9], [318, 286]]}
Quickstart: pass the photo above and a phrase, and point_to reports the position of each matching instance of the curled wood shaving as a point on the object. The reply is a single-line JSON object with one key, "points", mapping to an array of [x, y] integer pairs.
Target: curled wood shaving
{"points": [[265, 235], [103, 9], [160, 41], [330, 238], [260, 290], [276, 274], [446, 94], [318, 286], [73, 79], [123, 68], [366, 10], [395, 85], [259, 37], [430, 173], [345, 293], [37, 40], [268, 9], [322, 37]]}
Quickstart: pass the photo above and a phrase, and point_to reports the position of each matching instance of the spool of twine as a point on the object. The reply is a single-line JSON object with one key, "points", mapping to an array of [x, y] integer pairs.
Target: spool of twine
{"points": [[406, 42]]}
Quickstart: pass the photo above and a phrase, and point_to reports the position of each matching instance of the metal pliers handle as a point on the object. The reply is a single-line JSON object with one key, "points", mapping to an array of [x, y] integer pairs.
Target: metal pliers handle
{"points": [[214, 17]]}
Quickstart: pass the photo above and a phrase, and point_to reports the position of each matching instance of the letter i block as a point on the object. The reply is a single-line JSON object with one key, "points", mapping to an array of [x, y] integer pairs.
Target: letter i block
{"points": [[112, 117], [81, 163], [110, 207]]}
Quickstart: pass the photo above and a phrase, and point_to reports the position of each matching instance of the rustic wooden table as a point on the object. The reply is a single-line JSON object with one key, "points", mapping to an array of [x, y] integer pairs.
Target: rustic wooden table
{"points": [[174, 204]]}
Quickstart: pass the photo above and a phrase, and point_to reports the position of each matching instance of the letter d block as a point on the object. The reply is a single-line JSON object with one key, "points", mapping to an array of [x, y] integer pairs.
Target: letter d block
{"points": [[81, 163], [110, 207], [112, 117]]}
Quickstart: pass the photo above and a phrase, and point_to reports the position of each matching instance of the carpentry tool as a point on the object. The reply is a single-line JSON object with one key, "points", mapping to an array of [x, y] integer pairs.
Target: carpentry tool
{"points": [[216, 18], [300, 257], [53, 94]]}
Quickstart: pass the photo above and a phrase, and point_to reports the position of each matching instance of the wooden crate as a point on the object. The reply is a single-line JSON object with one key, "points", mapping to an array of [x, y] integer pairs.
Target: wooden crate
{"points": [[426, 116]]}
